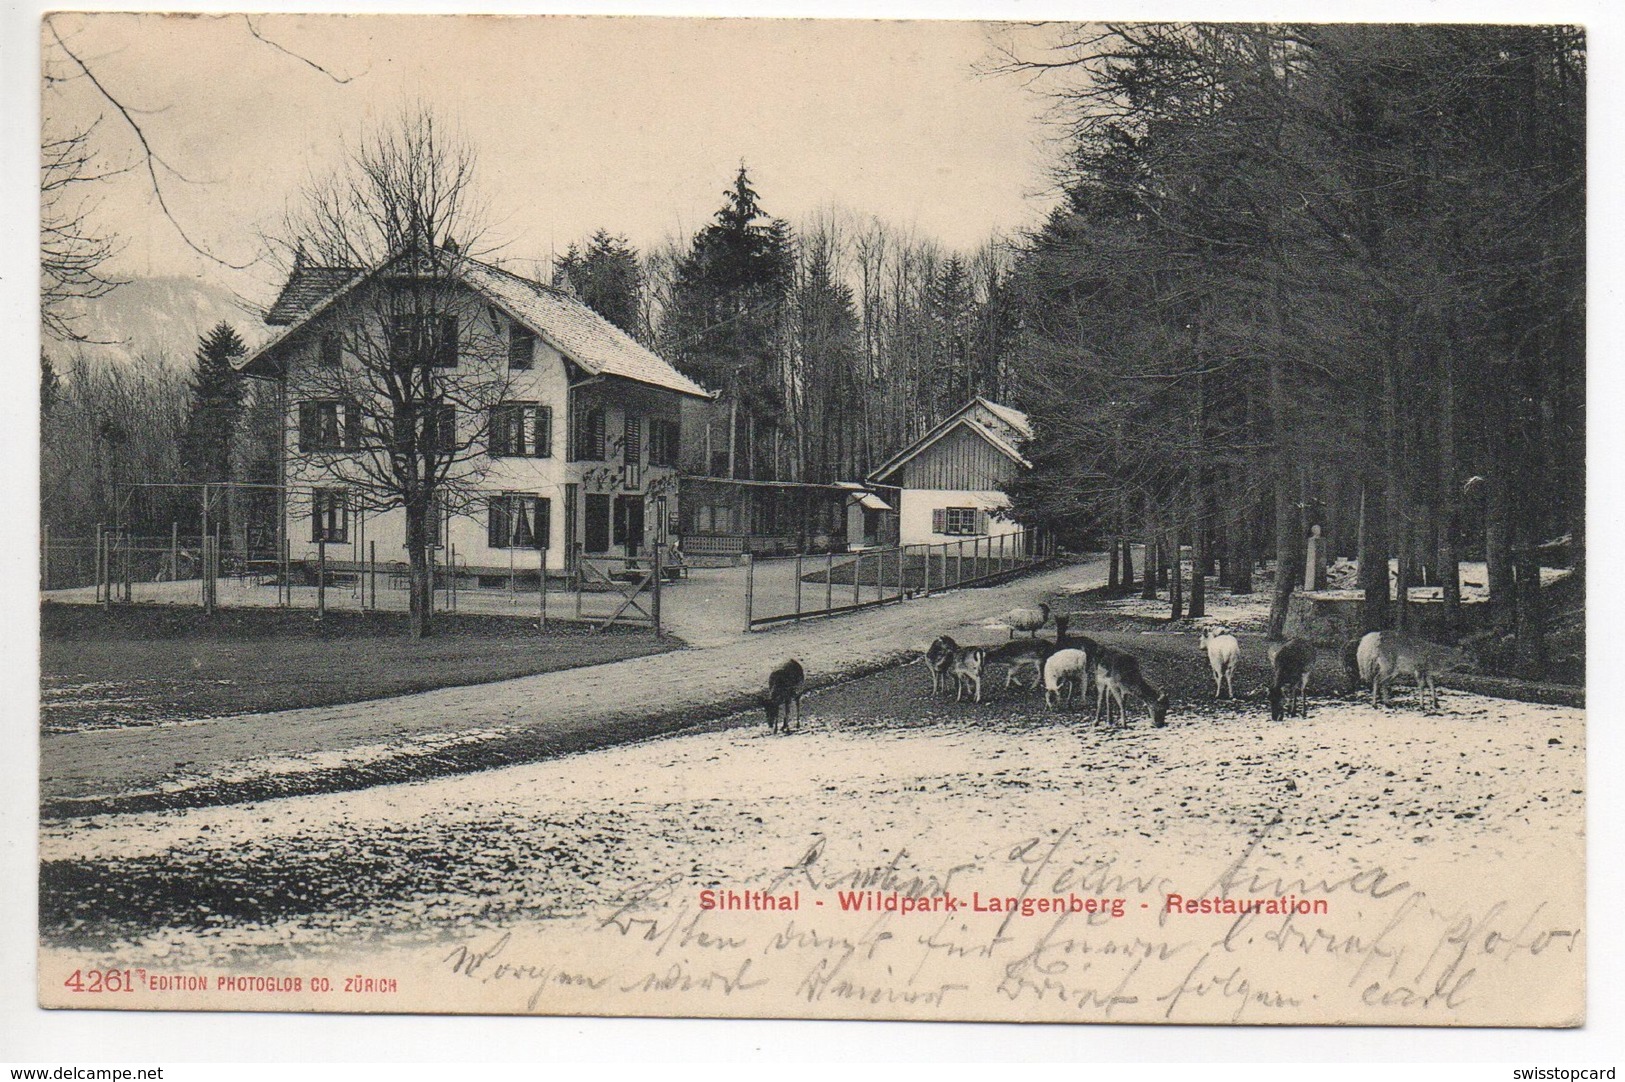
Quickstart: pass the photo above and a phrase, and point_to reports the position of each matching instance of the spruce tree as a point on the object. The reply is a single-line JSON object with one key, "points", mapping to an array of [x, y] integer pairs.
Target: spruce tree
{"points": [[607, 278], [216, 405], [725, 323]]}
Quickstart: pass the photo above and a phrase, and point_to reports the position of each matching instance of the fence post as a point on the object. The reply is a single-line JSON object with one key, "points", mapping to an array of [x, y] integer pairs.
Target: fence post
{"points": [[321, 576], [451, 577], [880, 576], [798, 587], [750, 587], [99, 563], [829, 580], [372, 575], [857, 579], [1001, 551], [541, 582], [655, 567], [128, 595], [174, 552], [580, 564], [902, 571]]}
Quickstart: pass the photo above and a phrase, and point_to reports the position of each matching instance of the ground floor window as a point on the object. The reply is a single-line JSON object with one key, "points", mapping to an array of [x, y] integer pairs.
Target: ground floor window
{"points": [[329, 516], [958, 521], [518, 520]]}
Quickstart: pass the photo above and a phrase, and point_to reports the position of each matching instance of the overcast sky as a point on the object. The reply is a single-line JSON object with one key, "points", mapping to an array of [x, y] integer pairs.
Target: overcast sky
{"points": [[634, 124]]}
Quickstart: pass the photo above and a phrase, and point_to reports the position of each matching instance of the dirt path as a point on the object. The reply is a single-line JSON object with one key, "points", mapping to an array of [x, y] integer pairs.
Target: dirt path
{"points": [[221, 760]]}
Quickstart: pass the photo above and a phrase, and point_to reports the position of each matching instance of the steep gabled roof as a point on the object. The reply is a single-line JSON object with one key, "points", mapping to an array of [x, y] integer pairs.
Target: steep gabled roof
{"points": [[305, 289], [598, 346], [1009, 428], [576, 331]]}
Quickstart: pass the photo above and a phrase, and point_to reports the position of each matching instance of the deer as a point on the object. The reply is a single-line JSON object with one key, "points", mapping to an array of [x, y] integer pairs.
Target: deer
{"points": [[1064, 671], [1117, 673], [939, 661], [967, 670], [1383, 656], [784, 687], [1223, 652], [1290, 663]]}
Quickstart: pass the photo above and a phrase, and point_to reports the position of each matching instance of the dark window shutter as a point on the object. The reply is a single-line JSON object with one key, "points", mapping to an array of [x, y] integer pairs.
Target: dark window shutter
{"points": [[939, 520], [544, 522], [351, 435], [307, 426], [496, 531], [632, 444], [445, 429], [446, 347], [544, 432]]}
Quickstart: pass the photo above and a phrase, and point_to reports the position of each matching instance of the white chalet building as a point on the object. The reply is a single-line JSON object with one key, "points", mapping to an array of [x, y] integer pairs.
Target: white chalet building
{"points": [[579, 451], [951, 480]]}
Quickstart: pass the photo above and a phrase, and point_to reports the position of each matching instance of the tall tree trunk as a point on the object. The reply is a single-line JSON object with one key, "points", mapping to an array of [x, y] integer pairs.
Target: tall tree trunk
{"points": [[1240, 537], [1373, 555], [1128, 564], [1287, 484], [1113, 577], [1199, 551], [1176, 578], [1153, 558], [1449, 497], [420, 599]]}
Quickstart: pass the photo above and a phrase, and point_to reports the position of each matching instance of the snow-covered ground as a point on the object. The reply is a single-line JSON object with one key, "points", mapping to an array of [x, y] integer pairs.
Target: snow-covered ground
{"points": [[1447, 848]]}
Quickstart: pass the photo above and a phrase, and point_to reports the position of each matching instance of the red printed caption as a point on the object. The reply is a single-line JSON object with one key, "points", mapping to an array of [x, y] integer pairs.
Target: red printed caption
{"points": [[99, 981]]}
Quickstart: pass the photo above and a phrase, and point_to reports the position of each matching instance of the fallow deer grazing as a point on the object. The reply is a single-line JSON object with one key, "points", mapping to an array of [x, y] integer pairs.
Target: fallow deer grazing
{"points": [[1066, 672], [1384, 656], [1118, 673], [784, 687], [1290, 663]]}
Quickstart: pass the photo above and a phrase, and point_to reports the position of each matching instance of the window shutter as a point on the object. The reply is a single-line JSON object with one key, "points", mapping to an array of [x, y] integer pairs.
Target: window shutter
{"points": [[632, 447], [351, 436], [496, 531], [307, 426], [544, 522], [445, 429], [446, 347], [544, 432], [595, 435], [939, 520]]}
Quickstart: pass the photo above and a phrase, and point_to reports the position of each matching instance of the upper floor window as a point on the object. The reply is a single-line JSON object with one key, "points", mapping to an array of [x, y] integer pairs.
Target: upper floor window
{"points": [[662, 442], [521, 346], [437, 433], [423, 340], [589, 435], [329, 425], [522, 429], [330, 353]]}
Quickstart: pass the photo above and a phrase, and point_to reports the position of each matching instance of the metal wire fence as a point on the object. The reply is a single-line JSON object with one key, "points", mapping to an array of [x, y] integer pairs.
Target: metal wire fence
{"points": [[801, 587]]}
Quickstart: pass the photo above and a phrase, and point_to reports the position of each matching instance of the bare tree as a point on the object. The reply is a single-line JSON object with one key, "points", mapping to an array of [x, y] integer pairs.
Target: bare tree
{"points": [[402, 399], [73, 252]]}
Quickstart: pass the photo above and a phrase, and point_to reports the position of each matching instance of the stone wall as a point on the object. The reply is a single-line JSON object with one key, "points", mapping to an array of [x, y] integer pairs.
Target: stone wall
{"points": [[1331, 620]]}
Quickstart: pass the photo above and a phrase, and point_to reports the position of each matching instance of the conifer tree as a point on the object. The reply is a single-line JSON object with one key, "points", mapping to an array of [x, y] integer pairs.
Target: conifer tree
{"points": [[216, 406]]}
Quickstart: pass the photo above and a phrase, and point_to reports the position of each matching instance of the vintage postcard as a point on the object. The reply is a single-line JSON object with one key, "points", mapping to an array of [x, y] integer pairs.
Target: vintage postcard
{"points": [[813, 519]]}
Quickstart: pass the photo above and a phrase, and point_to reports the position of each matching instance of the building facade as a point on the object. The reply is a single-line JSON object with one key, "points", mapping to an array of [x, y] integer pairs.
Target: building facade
{"points": [[950, 483], [551, 431]]}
